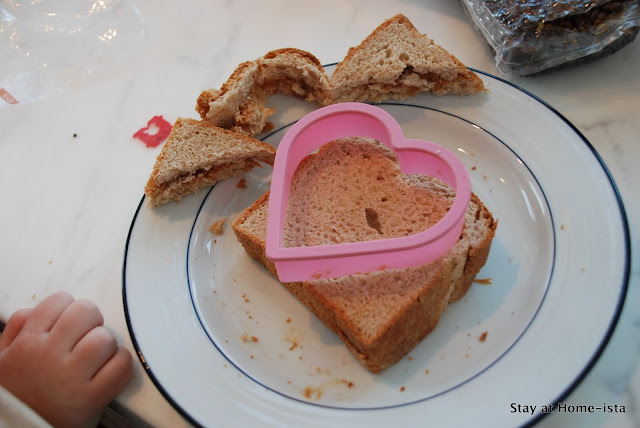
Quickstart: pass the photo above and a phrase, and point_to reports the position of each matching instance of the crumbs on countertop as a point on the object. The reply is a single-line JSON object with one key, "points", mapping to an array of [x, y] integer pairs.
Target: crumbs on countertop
{"points": [[242, 184], [483, 337]]}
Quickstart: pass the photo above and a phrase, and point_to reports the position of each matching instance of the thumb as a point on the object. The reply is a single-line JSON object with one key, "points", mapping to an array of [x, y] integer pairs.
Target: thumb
{"points": [[14, 327]]}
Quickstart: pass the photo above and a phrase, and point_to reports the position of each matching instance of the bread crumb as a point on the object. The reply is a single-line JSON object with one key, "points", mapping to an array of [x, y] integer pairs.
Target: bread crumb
{"points": [[483, 337], [348, 383], [245, 338], [288, 319], [427, 371], [562, 226], [402, 389], [33, 297], [242, 184], [217, 227], [50, 261], [473, 168], [312, 392], [483, 281]]}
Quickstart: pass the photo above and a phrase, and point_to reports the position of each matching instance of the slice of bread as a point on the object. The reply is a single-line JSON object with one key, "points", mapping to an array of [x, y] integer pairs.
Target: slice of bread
{"points": [[196, 155], [240, 105], [353, 190], [396, 61]]}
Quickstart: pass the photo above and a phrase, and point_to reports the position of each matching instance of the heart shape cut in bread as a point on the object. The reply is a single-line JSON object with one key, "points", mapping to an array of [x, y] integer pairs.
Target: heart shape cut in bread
{"points": [[422, 157]]}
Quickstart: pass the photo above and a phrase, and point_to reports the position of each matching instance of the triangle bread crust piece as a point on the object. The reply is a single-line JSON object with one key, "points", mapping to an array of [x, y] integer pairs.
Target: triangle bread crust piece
{"points": [[241, 103], [396, 61], [198, 154]]}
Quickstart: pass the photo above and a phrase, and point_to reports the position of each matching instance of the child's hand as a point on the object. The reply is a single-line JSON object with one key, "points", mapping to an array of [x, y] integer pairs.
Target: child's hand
{"points": [[61, 361]]}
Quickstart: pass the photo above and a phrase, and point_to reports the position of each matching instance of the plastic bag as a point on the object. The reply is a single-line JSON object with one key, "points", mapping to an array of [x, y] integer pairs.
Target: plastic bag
{"points": [[46, 45], [530, 37]]}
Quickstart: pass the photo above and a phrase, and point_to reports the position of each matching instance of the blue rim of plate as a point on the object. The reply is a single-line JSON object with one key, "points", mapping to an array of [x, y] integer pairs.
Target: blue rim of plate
{"points": [[534, 420]]}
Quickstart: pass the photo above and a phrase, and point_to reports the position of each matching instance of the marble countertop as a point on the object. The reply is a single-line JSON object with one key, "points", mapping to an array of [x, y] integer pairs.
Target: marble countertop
{"points": [[72, 174]]}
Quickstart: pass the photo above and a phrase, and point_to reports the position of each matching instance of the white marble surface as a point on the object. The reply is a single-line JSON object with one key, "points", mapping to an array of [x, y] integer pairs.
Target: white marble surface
{"points": [[67, 202]]}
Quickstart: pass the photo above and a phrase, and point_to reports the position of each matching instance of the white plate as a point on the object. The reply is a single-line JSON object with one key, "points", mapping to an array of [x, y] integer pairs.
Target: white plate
{"points": [[225, 343]]}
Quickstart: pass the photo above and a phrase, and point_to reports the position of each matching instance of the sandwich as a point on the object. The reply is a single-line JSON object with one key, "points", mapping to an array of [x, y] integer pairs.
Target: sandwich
{"points": [[241, 103], [395, 62], [351, 190], [196, 155]]}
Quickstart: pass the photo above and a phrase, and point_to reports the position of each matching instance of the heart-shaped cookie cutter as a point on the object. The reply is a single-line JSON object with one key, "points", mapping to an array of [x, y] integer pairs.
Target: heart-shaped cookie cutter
{"points": [[415, 157]]}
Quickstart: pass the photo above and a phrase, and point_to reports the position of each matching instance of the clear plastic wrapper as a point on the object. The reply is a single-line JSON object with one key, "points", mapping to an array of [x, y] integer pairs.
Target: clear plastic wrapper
{"points": [[529, 37], [46, 45]]}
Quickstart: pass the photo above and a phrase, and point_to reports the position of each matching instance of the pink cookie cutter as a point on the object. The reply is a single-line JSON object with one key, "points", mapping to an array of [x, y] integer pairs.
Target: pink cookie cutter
{"points": [[415, 157]]}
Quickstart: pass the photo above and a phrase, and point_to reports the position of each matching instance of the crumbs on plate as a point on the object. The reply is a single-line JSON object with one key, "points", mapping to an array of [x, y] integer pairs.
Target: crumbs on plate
{"points": [[217, 227]]}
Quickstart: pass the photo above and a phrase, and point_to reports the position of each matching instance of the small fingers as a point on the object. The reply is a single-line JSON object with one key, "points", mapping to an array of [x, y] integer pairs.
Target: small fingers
{"points": [[47, 312], [78, 319], [14, 327], [93, 351], [113, 376]]}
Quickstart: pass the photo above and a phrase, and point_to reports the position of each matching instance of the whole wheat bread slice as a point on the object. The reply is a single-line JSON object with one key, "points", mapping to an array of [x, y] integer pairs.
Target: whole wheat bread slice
{"points": [[240, 104], [196, 155], [396, 61], [353, 190]]}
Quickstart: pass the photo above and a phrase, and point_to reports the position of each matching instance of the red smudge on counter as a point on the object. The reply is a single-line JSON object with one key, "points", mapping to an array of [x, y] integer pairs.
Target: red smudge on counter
{"points": [[155, 133], [7, 97]]}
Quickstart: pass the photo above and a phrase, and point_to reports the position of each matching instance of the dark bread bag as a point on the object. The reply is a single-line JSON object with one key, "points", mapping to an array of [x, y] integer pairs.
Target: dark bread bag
{"points": [[531, 37]]}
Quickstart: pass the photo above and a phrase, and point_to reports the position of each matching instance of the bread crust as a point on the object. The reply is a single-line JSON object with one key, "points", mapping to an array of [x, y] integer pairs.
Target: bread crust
{"points": [[198, 154], [240, 104], [365, 75], [477, 255]]}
